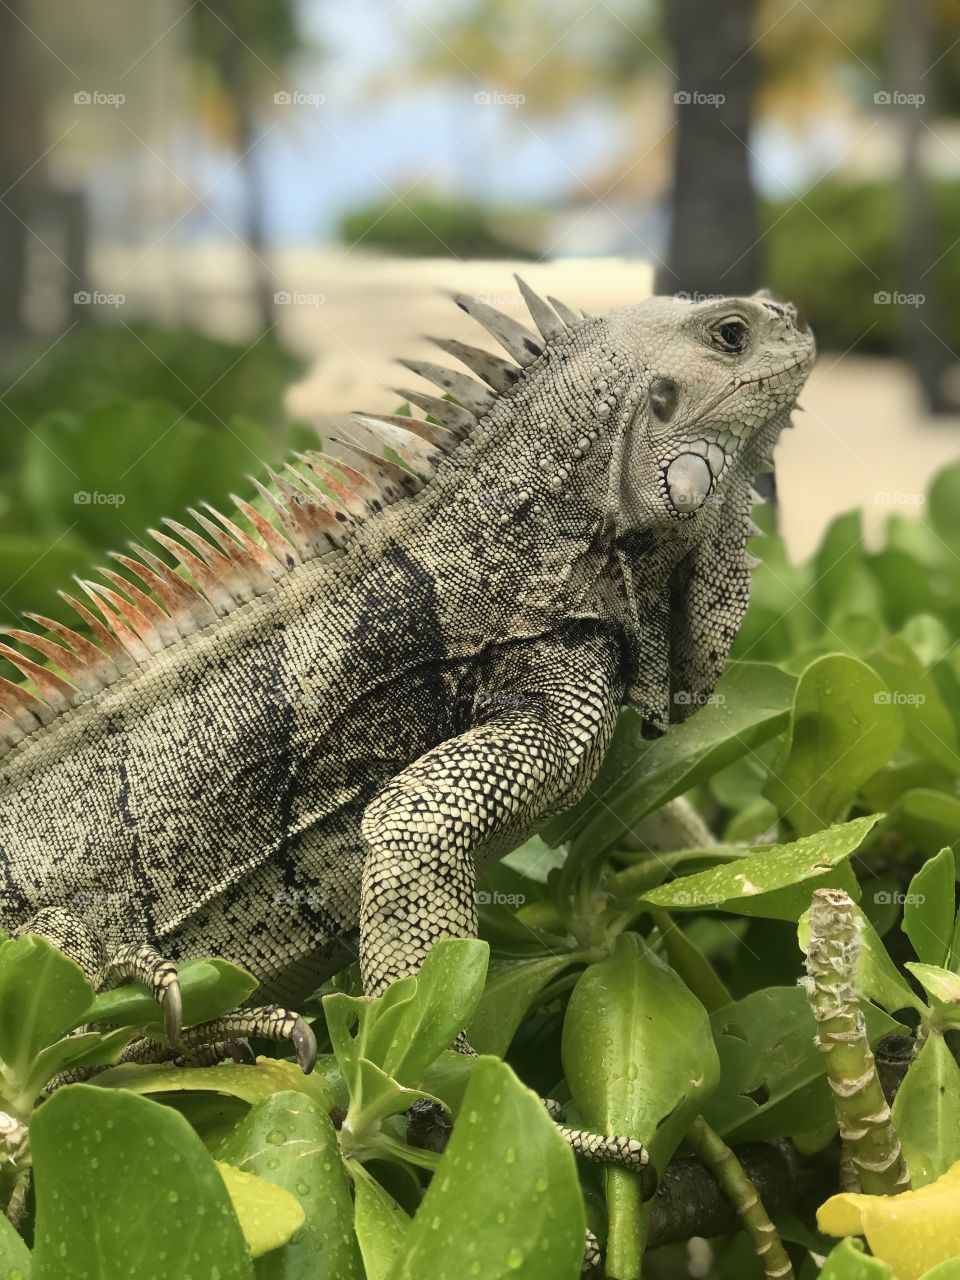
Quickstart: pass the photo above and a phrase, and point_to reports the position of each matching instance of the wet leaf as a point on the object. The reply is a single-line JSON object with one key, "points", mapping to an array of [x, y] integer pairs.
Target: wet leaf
{"points": [[126, 1188], [505, 1164]]}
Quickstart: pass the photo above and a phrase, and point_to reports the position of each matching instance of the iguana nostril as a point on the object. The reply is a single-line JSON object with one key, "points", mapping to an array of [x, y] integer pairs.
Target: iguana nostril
{"points": [[688, 482]]}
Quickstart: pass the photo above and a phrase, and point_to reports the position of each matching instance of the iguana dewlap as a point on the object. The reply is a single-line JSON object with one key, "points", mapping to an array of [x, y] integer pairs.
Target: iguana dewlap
{"points": [[345, 698]]}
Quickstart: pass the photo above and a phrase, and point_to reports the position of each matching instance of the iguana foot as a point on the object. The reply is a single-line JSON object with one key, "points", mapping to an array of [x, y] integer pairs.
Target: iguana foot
{"points": [[627, 1153], [140, 962], [269, 1021], [592, 1257], [146, 1052]]}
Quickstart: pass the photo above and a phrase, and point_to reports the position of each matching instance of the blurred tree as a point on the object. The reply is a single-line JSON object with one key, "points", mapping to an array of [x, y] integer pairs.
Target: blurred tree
{"points": [[911, 57], [241, 48], [20, 146], [713, 222]]}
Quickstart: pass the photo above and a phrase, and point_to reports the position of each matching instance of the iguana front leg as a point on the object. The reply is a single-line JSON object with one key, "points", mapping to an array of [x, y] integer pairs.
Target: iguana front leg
{"points": [[471, 795], [477, 791]]}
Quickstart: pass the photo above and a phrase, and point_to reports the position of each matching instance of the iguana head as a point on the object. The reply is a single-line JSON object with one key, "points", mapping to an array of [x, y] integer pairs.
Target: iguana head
{"points": [[716, 381]]}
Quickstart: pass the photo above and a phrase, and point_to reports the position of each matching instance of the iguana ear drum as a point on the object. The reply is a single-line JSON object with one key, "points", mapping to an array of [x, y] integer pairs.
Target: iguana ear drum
{"points": [[688, 483]]}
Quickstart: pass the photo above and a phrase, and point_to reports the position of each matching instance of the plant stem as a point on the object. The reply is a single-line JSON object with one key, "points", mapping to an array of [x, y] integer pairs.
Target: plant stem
{"points": [[626, 1225], [863, 1116], [709, 1147]]}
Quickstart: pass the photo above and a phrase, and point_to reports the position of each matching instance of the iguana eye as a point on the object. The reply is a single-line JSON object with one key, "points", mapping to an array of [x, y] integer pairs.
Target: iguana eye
{"points": [[729, 335], [663, 399]]}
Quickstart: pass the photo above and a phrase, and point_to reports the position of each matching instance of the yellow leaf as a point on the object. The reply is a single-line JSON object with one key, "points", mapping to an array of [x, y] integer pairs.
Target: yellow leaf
{"points": [[911, 1232], [268, 1214]]}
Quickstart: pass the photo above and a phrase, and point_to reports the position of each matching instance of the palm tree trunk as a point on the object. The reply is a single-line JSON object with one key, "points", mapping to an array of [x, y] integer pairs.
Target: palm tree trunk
{"points": [[713, 235]]}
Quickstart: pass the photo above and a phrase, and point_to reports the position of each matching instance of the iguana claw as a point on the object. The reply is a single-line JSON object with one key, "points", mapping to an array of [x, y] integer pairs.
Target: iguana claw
{"points": [[171, 1004], [144, 963], [269, 1021], [305, 1043]]}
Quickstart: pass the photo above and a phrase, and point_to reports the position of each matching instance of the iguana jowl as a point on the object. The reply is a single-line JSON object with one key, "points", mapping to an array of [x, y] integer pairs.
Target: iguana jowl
{"points": [[341, 709]]}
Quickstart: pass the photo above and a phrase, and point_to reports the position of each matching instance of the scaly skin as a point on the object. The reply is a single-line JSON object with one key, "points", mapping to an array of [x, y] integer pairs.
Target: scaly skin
{"points": [[338, 752]]}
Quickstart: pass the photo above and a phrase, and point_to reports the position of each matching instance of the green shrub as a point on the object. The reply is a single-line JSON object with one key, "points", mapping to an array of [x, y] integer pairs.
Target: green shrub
{"points": [[429, 227], [835, 249]]}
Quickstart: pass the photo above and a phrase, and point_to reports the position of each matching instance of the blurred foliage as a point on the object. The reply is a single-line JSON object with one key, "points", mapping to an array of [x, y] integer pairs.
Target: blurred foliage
{"points": [[112, 430], [836, 250], [431, 227]]}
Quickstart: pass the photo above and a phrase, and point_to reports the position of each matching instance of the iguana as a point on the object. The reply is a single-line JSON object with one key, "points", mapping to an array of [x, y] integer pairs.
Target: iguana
{"points": [[318, 716]]}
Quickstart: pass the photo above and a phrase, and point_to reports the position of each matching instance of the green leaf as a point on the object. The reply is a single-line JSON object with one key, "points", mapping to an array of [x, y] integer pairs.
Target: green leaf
{"points": [[511, 990], [926, 1112], [928, 725], [926, 819], [126, 1188], [687, 960], [751, 705], [14, 1254], [208, 988], [771, 1072], [405, 1038], [289, 1140], [948, 1270], [251, 1084], [849, 1262], [774, 881], [843, 728], [928, 911], [505, 1200], [267, 1214], [658, 1064], [91, 1049], [42, 994], [381, 1225], [940, 984]]}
